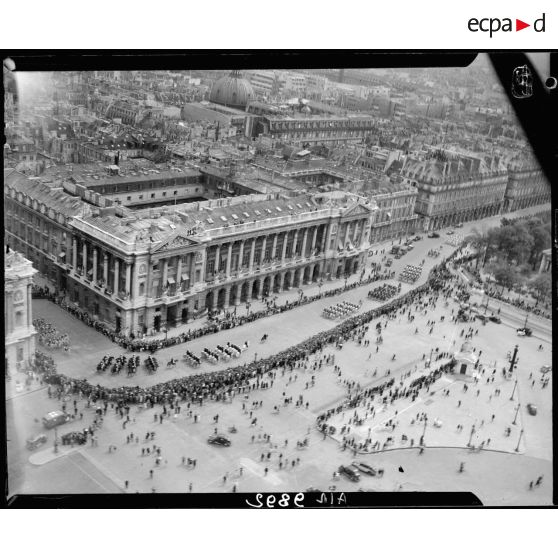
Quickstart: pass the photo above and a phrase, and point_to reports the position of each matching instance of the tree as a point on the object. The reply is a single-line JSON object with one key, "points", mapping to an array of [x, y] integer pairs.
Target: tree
{"points": [[541, 241], [505, 275], [542, 285]]}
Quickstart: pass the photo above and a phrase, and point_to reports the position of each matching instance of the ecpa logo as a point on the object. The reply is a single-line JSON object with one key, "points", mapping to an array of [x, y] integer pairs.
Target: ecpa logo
{"points": [[494, 24]]}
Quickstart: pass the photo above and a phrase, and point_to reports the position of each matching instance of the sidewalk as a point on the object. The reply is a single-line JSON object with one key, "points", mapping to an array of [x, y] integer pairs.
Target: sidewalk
{"points": [[47, 455]]}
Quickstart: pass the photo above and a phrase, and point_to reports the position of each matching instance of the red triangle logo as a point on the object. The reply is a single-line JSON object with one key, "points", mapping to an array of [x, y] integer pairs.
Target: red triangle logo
{"points": [[519, 25]]}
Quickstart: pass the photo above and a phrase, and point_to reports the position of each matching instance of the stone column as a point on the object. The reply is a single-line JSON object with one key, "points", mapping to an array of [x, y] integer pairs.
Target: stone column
{"points": [[116, 275], [260, 286], [84, 259], [133, 281], [346, 238], [241, 255], [238, 294], [274, 247], [105, 268], [94, 265], [217, 256], [283, 255], [229, 258], [304, 239], [252, 254], [179, 274], [165, 272], [262, 255], [227, 297], [314, 237], [192, 269], [74, 253], [295, 239], [29, 306], [324, 238], [128, 288]]}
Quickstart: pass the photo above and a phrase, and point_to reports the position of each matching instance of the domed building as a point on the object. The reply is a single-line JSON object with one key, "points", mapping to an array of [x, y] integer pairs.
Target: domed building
{"points": [[232, 91]]}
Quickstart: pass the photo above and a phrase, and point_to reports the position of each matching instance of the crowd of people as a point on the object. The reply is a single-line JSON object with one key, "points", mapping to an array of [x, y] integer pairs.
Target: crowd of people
{"points": [[521, 303], [410, 273], [340, 310], [229, 321], [384, 292], [50, 337], [219, 384]]}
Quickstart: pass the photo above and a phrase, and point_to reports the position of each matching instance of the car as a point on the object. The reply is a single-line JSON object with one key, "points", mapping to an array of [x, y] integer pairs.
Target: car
{"points": [[482, 318], [546, 369], [433, 235], [312, 489], [450, 232], [55, 418], [410, 246], [459, 225], [389, 262], [524, 331], [417, 238], [35, 441], [364, 468], [218, 440], [531, 409], [350, 472], [495, 319]]}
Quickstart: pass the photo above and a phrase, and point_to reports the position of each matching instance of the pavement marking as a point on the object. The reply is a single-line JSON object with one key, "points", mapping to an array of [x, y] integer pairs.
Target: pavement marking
{"points": [[109, 474], [89, 475], [258, 470]]}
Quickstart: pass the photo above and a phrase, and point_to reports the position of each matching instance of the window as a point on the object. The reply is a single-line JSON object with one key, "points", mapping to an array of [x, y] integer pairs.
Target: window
{"points": [[19, 356], [140, 196], [164, 194], [152, 195], [175, 193], [19, 319], [141, 289], [128, 198]]}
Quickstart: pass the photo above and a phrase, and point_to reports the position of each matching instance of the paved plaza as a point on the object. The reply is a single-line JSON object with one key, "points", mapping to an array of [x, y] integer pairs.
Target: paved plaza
{"points": [[264, 456]]}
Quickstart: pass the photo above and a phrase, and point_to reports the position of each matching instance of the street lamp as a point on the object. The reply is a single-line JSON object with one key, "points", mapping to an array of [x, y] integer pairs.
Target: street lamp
{"points": [[518, 441], [55, 440], [320, 285], [516, 413]]}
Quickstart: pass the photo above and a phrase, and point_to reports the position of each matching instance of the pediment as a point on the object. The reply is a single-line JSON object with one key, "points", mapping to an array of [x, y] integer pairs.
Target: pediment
{"points": [[357, 210], [179, 241]]}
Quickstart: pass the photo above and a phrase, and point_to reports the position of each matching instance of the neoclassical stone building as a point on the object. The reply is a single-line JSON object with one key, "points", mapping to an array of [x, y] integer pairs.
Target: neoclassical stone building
{"points": [[18, 316], [155, 268]]}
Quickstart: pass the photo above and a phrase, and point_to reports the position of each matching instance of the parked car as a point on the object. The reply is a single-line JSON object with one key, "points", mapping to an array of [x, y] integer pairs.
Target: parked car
{"points": [[366, 469], [482, 318], [389, 262], [218, 440], [546, 369], [410, 246], [433, 235], [459, 225], [35, 441], [531, 409], [451, 231], [495, 319], [350, 472], [55, 418], [524, 331], [417, 238]]}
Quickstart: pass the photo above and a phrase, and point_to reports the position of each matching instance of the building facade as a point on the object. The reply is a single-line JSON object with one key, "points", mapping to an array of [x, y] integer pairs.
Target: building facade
{"points": [[526, 187], [18, 316], [297, 130], [152, 269], [447, 197]]}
